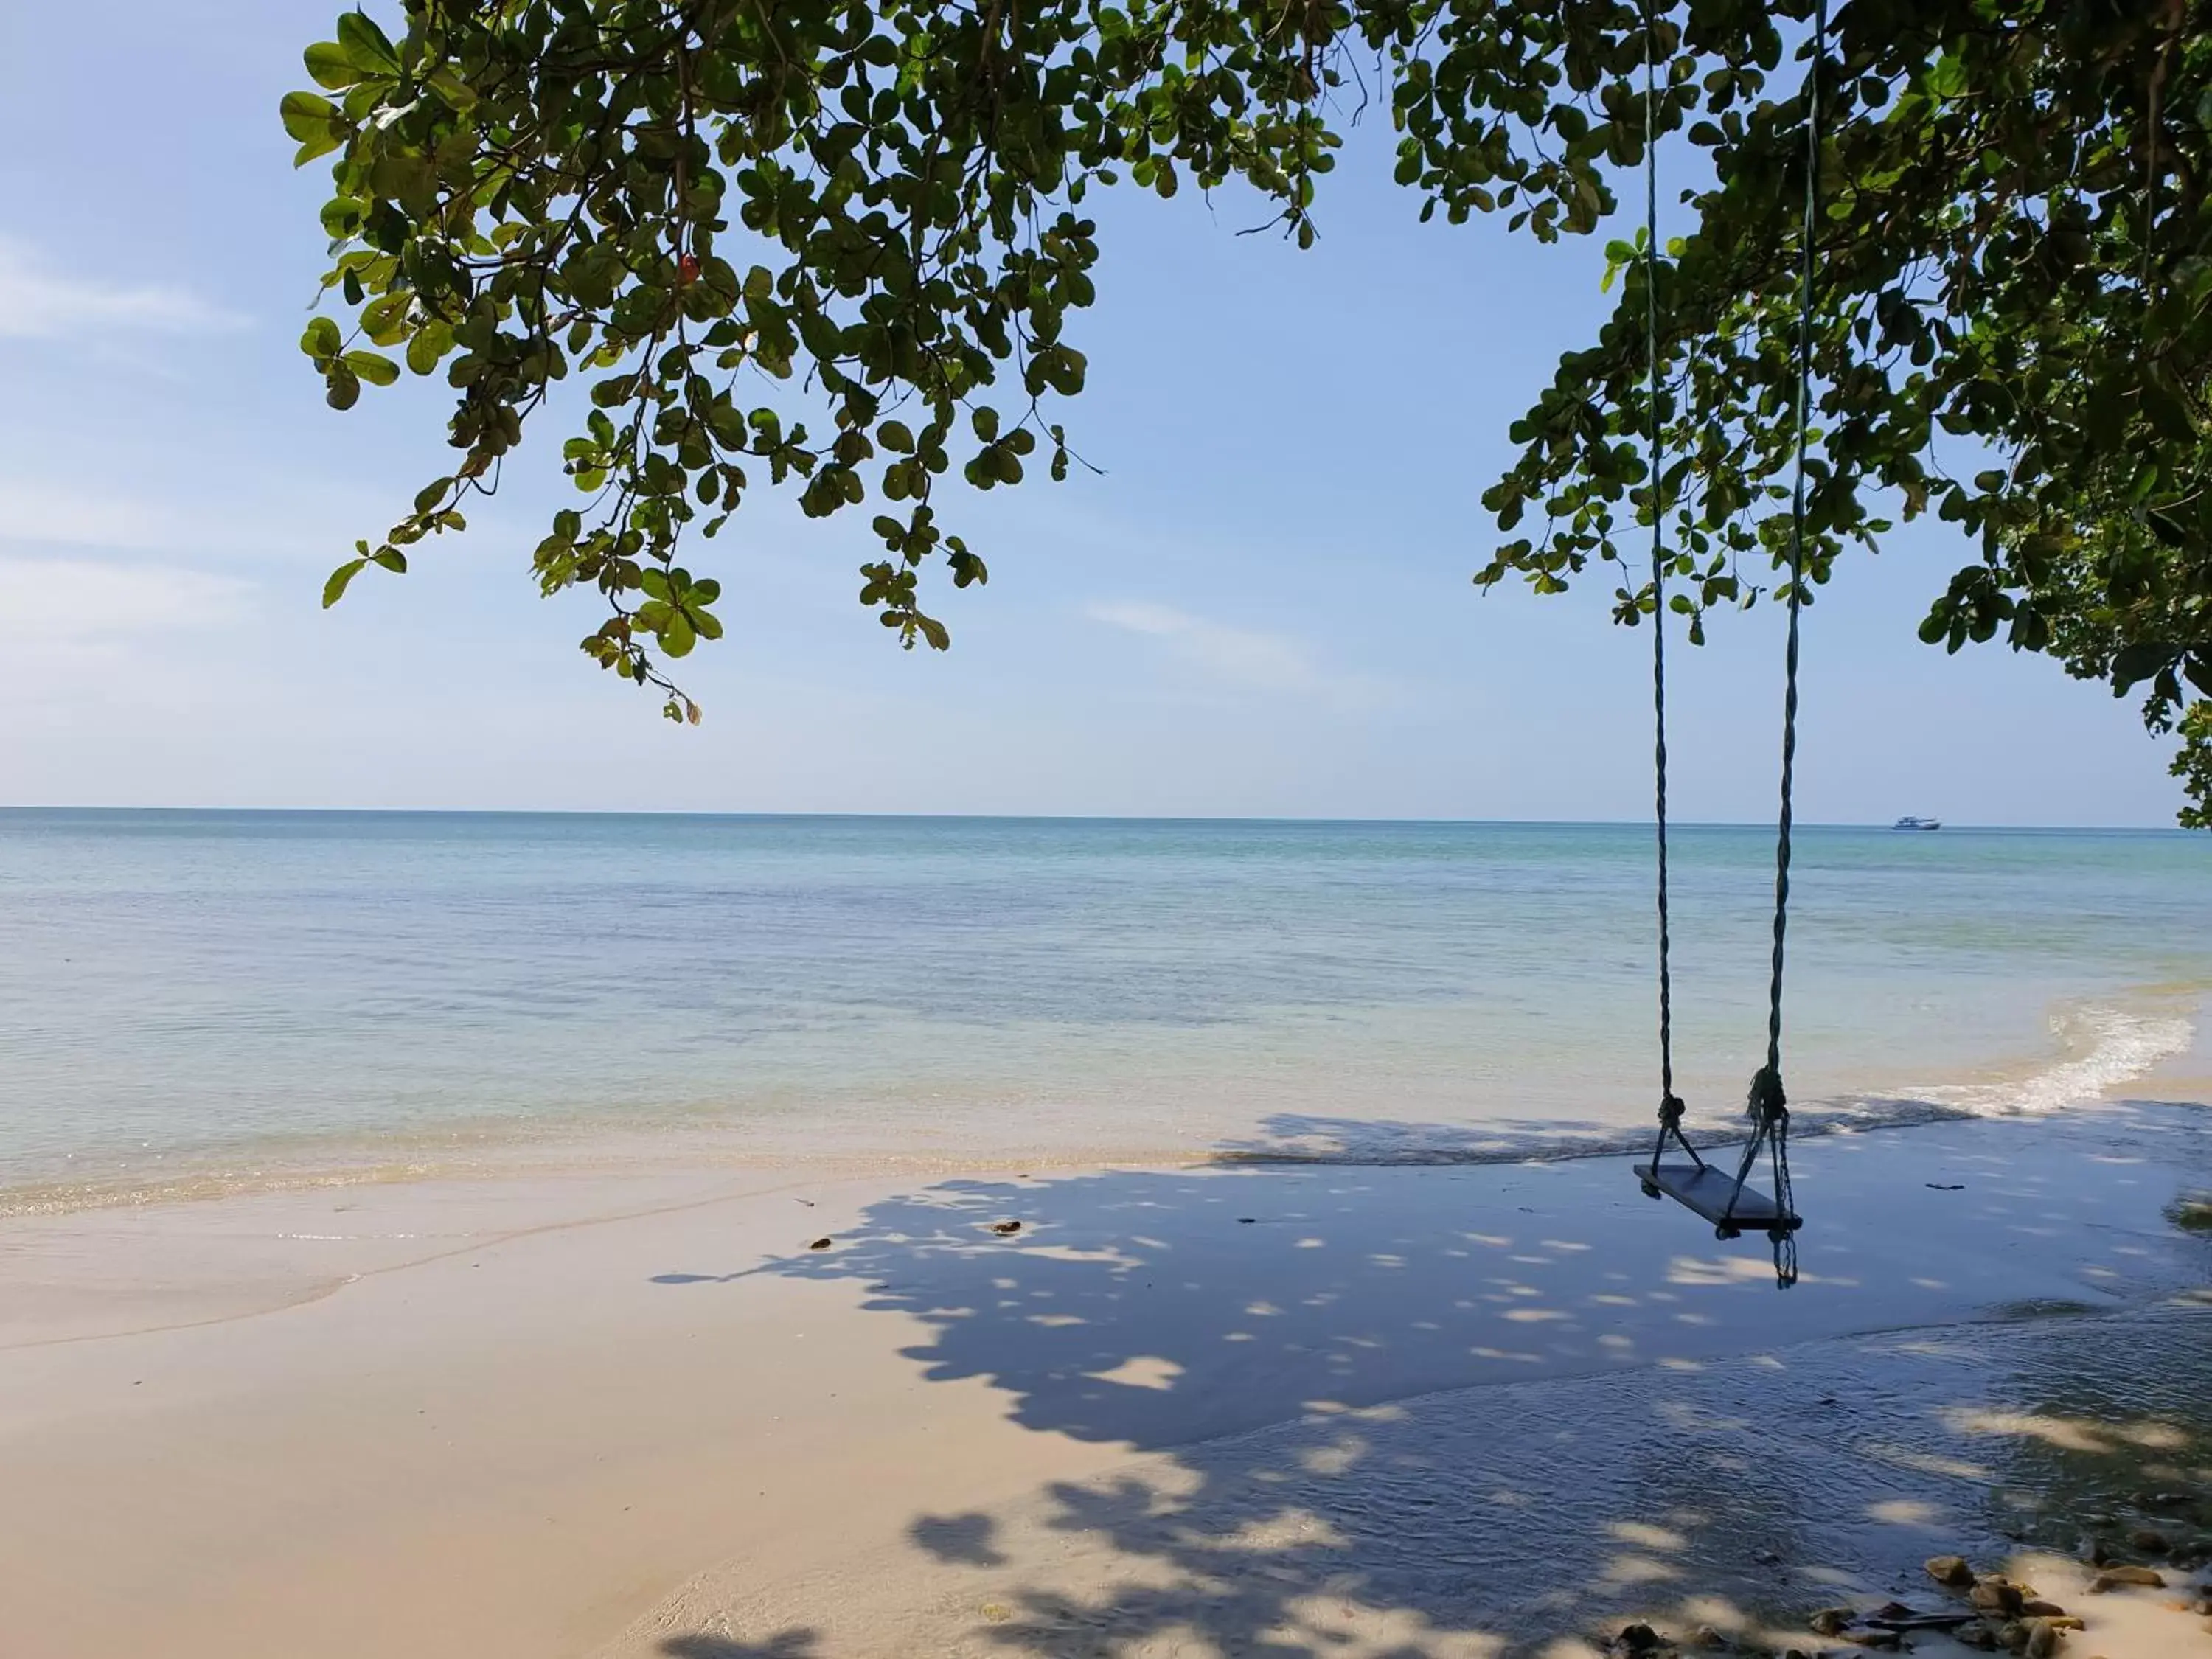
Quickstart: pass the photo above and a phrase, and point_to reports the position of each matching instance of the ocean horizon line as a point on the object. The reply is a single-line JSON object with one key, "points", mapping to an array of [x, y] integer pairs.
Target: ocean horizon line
{"points": [[1312, 821]]}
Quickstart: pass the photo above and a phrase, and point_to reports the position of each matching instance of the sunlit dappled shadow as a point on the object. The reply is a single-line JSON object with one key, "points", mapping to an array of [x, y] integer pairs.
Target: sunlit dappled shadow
{"points": [[1414, 1411]]}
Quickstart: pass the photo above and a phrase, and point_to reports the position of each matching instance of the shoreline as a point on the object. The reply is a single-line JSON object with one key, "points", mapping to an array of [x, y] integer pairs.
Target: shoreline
{"points": [[2148, 1043], [545, 1152], [606, 1415]]}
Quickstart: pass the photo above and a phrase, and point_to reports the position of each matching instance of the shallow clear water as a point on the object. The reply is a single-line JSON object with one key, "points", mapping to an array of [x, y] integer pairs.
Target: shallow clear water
{"points": [[182, 987]]}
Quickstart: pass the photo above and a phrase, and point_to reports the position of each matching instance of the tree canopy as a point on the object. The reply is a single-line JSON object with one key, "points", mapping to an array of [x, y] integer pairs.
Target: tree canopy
{"points": [[731, 218]]}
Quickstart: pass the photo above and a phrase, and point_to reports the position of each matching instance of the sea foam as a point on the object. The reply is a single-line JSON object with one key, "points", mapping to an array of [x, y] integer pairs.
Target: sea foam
{"points": [[2102, 1049]]}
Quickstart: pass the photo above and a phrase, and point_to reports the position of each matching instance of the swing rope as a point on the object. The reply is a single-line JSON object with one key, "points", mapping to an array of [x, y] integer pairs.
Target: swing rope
{"points": [[1768, 1104], [1670, 1106]]}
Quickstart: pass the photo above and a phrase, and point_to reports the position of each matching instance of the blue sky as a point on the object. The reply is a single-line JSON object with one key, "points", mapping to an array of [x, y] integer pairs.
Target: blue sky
{"points": [[1261, 608]]}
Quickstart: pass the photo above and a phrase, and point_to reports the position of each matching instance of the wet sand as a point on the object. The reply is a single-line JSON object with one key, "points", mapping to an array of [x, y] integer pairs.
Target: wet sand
{"points": [[1482, 1410]]}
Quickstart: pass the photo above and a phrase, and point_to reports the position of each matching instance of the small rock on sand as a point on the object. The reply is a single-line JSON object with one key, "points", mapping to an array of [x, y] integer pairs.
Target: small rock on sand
{"points": [[819, 1245], [1006, 1229], [2117, 1577], [1951, 1569], [1830, 1621], [1636, 1638], [2042, 1641], [1995, 1594]]}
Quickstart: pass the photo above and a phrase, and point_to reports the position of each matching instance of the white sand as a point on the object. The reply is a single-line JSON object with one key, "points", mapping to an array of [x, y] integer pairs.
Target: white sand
{"points": [[1399, 1412]]}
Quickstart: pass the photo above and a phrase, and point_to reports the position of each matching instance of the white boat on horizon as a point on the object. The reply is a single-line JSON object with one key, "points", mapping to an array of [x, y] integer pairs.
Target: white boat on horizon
{"points": [[1908, 822]]}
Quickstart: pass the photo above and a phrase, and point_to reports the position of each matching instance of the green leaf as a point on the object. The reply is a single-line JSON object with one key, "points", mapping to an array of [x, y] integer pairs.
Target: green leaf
{"points": [[340, 579], [457, 94], [365, 45], [329, 66], [384, 319], [376, 370], [311, 119], [409, 180], [341, 216], [432, 342], [2136, 662], [321, 340]]}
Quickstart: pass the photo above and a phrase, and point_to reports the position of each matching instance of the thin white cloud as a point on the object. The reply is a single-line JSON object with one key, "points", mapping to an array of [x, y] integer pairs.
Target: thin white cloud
{"points": [[1267, 662], [39, 301], [33, 512], [1140, 618], [288, 523], [89, 601]]}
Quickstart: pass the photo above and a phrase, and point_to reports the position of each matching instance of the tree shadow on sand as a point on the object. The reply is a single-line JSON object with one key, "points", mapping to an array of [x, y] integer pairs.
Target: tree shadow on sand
{"points": [[785, 1644], [1412, 1412]]}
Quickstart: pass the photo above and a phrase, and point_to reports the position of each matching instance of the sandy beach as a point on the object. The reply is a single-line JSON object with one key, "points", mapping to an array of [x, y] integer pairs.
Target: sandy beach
{"points": [[1486, 1410], [1329, 614]]}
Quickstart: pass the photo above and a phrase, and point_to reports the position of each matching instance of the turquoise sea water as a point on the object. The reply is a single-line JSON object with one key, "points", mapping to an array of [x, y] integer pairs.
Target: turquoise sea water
{"points": [[251, 993]]}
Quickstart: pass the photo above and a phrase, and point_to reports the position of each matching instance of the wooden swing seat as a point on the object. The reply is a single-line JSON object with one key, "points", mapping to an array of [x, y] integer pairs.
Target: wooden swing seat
{"points": [[1705, 1189]]}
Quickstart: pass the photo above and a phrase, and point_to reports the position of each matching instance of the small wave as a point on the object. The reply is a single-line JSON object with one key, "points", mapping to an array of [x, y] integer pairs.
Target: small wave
{"points": [[2103, 1048], [124, 1191]]}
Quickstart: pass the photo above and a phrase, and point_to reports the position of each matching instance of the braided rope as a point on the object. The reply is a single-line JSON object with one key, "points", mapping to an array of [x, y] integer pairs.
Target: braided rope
{"points": [[1670, 1107], [1769, 1105], [1796, 540]]}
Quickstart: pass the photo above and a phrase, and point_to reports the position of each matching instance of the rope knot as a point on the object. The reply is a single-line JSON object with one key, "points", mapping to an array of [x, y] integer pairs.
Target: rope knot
{"points": [[1767, 1104], [1670, 1112]]}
